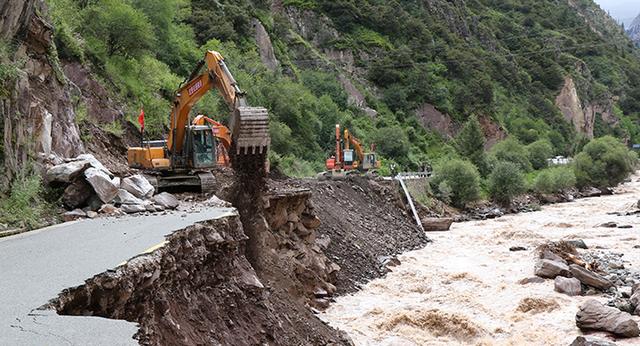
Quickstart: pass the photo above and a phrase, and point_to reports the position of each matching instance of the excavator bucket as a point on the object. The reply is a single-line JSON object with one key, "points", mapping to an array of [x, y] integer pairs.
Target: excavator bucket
{"points": [[250, 130]]}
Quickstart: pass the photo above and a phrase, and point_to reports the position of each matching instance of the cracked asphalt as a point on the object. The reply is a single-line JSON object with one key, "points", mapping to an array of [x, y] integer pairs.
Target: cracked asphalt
{"points": [[36, 266]]}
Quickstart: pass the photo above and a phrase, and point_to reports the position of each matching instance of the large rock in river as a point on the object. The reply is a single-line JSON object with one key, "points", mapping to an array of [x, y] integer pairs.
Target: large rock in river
{"points": [[593, 315], [590, 278], [568, 286], [550, 269]]}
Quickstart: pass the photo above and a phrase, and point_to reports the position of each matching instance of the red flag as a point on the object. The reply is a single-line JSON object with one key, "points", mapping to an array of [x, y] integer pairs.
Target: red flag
{"points": [[141, 119]]}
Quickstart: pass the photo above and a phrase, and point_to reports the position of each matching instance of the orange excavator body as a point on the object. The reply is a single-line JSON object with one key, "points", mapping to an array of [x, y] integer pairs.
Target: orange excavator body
{"points": [[223, 136]]}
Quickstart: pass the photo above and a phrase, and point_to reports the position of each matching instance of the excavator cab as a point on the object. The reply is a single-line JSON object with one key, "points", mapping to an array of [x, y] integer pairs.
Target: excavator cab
{"points": [[369, 162], [202, 146]]}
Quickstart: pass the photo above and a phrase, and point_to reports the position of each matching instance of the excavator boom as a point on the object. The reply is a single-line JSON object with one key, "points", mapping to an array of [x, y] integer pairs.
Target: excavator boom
{"points": [[249, 126]]}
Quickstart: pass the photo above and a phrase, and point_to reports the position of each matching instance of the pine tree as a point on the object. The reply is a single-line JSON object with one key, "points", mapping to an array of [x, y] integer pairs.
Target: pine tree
{"points": [[470, 144]]}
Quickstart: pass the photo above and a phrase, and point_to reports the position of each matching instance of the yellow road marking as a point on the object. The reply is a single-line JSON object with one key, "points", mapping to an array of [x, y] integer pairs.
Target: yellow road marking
{"points": [[149, 250]]}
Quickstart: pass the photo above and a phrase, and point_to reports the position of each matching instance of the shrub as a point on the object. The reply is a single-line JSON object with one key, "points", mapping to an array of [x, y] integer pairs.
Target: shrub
{"points": [[554, 180], [511, 150], [457, 180], [505, 182], [539, 151], [24, 207], [604, 162]]}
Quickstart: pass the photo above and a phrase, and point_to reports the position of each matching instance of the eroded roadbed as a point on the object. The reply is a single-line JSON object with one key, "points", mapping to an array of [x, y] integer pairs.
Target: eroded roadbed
{"points": [[35, 267]]}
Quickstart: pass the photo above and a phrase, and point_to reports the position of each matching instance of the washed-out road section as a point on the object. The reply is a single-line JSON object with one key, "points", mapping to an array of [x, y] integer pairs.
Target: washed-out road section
{"points": [[36, 266]]}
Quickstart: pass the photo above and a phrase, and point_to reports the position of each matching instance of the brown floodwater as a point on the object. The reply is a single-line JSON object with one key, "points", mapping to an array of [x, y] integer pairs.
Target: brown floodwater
{"points": [[463, 288]]}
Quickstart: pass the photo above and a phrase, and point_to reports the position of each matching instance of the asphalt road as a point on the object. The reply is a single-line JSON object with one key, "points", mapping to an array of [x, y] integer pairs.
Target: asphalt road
{"points": [[36, 266]]}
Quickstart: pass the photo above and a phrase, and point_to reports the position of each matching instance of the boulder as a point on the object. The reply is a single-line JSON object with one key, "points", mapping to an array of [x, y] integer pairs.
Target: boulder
{"points": [[66, 172], [76, 194], [133, 208], [102, 184], [92, 214], [635, 302], [591, 341], [166, 200], [436, 224], [109, 209], [591, 192], [590, 278], [310, 221], [94, 203], [568, 286], [138, 186], [74, 215], [578, 243], [124, 197], [550, 255], [93, 162], [531, 280], [550, 269], [216, 202], [595, 316]]}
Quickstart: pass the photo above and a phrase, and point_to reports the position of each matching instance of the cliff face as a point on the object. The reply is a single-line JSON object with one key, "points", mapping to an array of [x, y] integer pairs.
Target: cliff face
{"points": [[37, 113], [634, 30]]}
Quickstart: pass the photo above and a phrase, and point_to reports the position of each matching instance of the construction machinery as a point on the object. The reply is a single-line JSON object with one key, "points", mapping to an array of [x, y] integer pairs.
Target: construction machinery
{"points": [[350, 161], [186, 157]]}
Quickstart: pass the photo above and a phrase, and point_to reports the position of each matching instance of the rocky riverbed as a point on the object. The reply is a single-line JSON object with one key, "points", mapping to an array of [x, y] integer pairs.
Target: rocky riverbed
{"points": [[470, 287]]}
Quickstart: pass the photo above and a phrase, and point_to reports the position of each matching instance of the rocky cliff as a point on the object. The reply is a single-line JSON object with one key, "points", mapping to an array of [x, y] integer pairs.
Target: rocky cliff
{"points": [[36, 111], [634, 30]]}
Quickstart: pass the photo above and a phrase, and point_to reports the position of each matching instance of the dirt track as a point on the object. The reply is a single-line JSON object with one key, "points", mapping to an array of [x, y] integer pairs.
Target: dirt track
{"points": [[463, 288]]}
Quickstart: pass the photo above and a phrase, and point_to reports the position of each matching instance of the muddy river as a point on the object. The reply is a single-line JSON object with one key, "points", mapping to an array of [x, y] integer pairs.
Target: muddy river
{"points": [[463, 288]]}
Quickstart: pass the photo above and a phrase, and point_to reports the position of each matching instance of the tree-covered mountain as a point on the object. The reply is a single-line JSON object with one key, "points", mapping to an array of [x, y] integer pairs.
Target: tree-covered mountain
{"points": [[403, 74]]}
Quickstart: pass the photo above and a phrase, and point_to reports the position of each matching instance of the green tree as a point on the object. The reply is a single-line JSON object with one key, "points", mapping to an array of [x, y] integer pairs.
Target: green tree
{"points": [[470, 144], [555, 179], [511, 150], [459, 181], [113, 27], [505, 182], [604, 162], [539, 151], [392, 142]]}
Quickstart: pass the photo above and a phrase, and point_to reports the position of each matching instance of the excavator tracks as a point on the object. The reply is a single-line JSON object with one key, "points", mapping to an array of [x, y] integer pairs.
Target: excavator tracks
{"points": [[251, 131]]}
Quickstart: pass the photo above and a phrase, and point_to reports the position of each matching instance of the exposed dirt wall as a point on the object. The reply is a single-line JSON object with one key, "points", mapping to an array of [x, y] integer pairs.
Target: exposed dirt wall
{"points": [[199, 289]]}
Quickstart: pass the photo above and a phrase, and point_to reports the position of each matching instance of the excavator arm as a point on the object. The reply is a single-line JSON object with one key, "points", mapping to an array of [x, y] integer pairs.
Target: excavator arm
{"points": [[357, 146], [249, 126]]}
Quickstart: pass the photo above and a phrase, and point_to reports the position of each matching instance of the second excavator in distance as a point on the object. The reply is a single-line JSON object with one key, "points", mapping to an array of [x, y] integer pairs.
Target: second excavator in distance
{"points": [[186, 157], [348, 161]]}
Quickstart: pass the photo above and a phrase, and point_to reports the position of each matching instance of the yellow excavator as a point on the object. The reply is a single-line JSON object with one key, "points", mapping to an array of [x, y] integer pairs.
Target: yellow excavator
{"points": [[344, 162], [185, 159]]}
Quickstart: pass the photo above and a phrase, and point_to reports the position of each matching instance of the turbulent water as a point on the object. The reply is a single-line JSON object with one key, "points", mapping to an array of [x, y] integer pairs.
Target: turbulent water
{"points": [[463, 288]]}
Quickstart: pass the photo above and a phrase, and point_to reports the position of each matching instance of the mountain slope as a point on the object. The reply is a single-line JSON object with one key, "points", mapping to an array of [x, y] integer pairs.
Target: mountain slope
{"points": [[402, 74]]}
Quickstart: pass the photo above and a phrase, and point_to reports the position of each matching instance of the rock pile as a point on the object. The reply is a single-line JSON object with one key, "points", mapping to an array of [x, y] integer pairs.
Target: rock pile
{"points": [[593, 272], [91, 189]]}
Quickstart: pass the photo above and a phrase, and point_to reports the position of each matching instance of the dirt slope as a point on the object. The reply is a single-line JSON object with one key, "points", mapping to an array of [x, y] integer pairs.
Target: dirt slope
{"points": [[365, 224]]}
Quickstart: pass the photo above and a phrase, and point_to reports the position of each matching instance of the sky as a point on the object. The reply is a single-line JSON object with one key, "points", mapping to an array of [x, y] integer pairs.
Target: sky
{"points": [[622, 10]]}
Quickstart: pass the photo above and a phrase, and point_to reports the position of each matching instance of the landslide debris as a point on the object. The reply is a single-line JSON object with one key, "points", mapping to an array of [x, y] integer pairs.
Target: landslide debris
{"points": [[363, 223], [199, 289]]}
